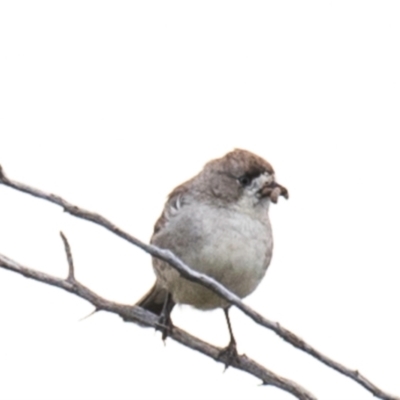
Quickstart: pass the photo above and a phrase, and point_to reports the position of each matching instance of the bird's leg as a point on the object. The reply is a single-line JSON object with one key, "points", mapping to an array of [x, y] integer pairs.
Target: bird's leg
{"points": [[165, 322], [230, 352]]}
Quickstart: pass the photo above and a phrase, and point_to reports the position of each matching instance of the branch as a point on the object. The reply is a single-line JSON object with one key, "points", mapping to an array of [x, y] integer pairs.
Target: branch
{"points": [[146, 318], [202, 279]]}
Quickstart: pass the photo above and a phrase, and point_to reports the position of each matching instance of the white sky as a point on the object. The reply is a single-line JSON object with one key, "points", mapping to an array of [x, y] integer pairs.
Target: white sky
{"points": [[112, 104]]}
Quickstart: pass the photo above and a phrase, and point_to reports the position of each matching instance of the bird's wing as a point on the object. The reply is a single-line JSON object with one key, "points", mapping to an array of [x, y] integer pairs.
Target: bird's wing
{"points": [[177, 199]]}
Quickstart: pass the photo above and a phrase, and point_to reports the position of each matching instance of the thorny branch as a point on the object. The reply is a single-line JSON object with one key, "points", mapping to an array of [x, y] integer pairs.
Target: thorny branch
{"points": [[146, 318], [186, 272]]}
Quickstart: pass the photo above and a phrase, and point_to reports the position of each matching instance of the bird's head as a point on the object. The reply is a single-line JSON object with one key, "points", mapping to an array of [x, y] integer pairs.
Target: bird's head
{"points": [[241, 177]]}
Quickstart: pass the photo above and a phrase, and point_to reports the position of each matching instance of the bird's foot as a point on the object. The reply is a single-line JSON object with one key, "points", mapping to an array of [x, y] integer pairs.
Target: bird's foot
{"points": [[228, 354], [164, 325]]}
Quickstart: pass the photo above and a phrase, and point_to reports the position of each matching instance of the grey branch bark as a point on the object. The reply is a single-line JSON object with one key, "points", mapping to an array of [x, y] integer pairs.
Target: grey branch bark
{"points": [[192, 275], [146, 318]]}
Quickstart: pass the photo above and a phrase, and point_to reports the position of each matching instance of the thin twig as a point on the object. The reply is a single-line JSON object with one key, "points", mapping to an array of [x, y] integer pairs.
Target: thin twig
{"points": [[71, 274], [144, 317], [202, 279]]}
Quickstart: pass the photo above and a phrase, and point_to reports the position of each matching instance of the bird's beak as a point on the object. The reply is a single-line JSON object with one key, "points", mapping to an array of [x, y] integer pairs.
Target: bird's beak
{"points": [[273, 191]]}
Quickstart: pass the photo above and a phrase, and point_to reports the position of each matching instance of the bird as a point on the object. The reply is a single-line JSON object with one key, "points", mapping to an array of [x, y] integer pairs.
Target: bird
{"points": [[217, 223]]}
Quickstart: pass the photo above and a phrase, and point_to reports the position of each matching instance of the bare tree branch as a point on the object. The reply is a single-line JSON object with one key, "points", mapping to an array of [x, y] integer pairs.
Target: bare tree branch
{"points": [[146, 318], [202, 279]]}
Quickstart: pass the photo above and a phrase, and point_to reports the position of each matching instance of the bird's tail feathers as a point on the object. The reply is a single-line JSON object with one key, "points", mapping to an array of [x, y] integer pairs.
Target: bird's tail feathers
{"points": [[154, 299]]}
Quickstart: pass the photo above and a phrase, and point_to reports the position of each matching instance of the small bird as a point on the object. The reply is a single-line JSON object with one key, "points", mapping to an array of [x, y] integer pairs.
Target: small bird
{"points": [[217, 223]]}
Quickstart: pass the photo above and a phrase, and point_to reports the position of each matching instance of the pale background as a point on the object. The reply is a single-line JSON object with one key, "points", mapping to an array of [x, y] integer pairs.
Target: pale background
{"points": [[112, 104]]}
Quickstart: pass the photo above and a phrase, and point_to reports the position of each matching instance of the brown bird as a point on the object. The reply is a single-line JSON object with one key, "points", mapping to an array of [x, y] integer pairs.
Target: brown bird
{"points": [[217, 223]]}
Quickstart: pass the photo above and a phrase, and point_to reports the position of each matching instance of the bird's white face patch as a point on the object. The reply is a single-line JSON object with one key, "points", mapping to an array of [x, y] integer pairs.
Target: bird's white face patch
{"points": [[261, 181], [251, 198]]}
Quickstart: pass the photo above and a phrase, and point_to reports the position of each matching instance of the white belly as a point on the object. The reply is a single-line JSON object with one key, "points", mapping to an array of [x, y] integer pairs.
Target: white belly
{"points": [[233, 248]]}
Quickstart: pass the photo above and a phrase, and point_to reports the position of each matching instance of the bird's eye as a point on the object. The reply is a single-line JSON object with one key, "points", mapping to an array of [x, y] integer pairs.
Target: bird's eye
{"points": [[244, 180]]}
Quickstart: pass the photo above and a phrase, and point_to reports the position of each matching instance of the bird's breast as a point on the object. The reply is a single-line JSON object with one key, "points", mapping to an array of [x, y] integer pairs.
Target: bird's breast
{"points": [[232, 247]]}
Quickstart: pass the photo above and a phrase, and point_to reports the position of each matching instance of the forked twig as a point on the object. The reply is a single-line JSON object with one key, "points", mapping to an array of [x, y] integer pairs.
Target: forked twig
{"points": [[146, 318]]}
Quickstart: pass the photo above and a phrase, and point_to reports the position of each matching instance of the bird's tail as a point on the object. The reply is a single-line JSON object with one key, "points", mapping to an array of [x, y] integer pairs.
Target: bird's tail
{"points": [[154, 299]]}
